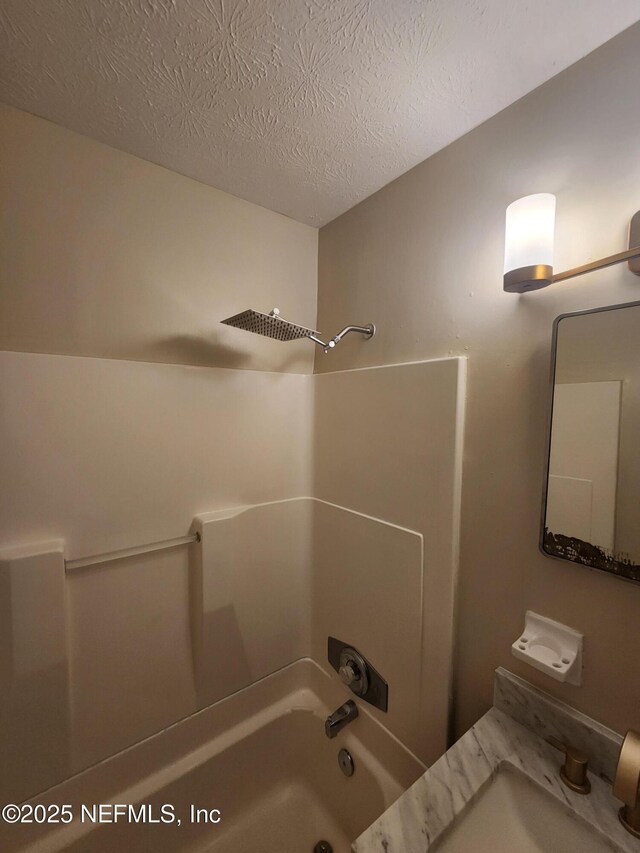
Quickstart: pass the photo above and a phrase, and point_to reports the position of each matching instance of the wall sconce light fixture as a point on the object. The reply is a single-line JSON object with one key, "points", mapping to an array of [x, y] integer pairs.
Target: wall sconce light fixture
{"points": [[528, 255]]}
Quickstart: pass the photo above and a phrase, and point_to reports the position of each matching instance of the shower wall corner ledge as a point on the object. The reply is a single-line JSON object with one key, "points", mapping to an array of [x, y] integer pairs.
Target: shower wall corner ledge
{"points": [[18, 552]]}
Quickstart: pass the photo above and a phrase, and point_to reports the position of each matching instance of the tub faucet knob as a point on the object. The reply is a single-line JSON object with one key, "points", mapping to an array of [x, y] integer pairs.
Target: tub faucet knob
{"points": [[349, 673], [353, 671]]}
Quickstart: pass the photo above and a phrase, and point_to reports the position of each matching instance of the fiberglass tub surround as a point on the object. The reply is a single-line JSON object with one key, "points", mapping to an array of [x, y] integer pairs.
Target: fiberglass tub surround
{"points": [[118, 651]]}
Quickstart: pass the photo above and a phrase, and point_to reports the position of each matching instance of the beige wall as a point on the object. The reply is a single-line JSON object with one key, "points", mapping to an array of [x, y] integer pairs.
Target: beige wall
{"points": [[422, 258], [104, 254]]}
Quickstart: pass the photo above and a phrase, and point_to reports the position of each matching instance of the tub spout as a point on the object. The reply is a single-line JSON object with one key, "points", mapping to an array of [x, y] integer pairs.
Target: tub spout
{"points": [[339, 719]]}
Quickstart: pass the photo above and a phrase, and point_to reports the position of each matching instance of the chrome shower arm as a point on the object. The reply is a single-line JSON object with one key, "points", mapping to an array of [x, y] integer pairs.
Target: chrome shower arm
{"points": [[320, 343], [368, 331]]}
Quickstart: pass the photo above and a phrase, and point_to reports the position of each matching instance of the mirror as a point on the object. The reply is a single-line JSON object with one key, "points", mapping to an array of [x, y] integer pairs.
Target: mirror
{"points": [[591, 511]]}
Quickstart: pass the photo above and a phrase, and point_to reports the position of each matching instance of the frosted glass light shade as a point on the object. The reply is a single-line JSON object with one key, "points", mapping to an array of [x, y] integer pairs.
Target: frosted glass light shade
{"points": [[529, 231], [528, 247]]}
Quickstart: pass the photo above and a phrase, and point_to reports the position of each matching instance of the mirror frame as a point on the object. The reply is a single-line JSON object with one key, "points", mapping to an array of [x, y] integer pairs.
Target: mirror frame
{"points": [[547, 459]]}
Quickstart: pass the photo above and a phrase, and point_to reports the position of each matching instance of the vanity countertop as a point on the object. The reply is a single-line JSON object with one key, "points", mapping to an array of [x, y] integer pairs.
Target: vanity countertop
{"points": [[416, 821]]}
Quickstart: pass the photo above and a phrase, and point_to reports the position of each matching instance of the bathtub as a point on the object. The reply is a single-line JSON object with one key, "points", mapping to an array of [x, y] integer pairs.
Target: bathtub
{"points": [[254, 772]]}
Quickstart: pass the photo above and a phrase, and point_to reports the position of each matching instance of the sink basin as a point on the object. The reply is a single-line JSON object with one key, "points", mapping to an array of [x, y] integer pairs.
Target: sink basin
{"points": [[512, 813]]}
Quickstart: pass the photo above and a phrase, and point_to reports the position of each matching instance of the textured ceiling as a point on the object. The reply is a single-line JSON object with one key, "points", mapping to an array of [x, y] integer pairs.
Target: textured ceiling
{"points": [[303, 106]]}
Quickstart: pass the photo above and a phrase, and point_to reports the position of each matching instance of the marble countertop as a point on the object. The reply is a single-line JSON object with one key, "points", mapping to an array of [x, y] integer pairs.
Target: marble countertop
{"points": [[416, 821]]}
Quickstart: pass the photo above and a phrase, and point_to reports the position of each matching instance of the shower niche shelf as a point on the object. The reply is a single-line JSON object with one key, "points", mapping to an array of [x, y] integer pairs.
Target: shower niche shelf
{"points": [[550, 647]]}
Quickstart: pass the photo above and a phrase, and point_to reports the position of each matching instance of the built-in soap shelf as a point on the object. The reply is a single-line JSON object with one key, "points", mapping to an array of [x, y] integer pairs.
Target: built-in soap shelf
{"points": [[550, 647]]}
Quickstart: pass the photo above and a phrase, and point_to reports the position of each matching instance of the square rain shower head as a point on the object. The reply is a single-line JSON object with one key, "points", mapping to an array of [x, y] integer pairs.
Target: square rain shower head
{"points": [[269, 325]]}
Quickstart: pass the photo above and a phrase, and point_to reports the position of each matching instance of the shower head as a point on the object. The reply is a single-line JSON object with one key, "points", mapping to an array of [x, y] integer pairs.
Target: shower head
{"points": [[272, 325]]}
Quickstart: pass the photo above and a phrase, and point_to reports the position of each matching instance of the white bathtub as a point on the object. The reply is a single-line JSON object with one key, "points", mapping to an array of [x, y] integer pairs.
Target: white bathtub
{"points": [[260, 758]]}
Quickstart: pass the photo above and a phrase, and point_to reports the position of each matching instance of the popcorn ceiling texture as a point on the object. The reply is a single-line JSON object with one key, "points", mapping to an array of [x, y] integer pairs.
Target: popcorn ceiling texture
{"points": [[303, 106]]}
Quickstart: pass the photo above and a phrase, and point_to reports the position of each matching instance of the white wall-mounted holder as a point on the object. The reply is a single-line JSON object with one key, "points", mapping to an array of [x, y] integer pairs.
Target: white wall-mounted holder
{"points": [[550, 647]]}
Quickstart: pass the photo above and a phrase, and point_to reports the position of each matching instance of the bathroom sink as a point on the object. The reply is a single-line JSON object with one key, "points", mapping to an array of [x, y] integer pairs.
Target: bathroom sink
{"points": [[513, 813]]}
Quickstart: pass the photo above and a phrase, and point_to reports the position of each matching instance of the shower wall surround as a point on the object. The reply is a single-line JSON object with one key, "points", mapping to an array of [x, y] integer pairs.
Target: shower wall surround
{"points": [[388, 443], [112, 454], [107, 454], [279, 578]]}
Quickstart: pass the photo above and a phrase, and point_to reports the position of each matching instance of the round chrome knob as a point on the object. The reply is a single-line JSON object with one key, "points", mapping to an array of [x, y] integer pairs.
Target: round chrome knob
{"points": [[353, 672], [348, 673]]}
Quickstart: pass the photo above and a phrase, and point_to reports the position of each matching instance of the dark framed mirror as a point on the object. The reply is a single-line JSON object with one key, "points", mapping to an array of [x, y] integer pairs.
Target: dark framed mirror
{"points": [[591, 503]]}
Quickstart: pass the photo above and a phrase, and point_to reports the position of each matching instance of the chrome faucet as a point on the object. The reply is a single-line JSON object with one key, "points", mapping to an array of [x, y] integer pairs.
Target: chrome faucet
{"points": [[627, 782], [339, 719]]}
